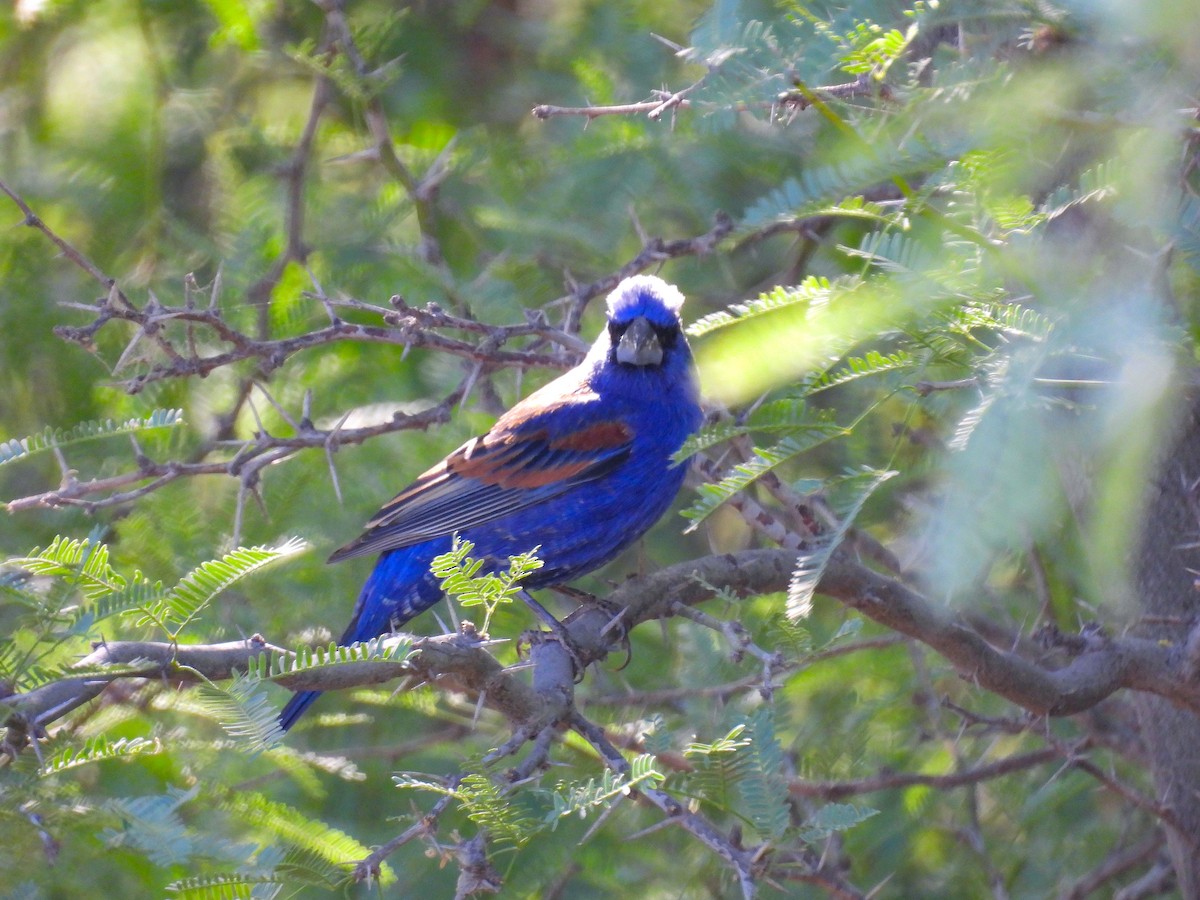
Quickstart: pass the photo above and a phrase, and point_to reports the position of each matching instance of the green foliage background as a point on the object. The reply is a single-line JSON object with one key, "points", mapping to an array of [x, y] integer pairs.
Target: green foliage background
{"points": [[1025, 174]]}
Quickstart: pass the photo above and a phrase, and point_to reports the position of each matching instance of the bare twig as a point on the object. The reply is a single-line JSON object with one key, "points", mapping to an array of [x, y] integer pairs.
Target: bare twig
{"points": [[33, 220], [836, 790], [655, 108], [368, 868], [1115, 865], [739, 859]]}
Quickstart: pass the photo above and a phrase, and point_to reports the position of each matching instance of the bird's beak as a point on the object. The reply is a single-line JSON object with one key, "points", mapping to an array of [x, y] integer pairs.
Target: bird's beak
{"points": [[639, 344]]}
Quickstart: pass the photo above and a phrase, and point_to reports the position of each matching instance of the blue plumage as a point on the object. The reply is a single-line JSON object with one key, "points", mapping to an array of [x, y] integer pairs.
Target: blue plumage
{"points": [[580, 468]]}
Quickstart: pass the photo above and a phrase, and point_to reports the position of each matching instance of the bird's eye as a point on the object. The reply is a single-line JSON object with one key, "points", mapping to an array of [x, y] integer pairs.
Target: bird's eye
{"points": [[616, 329], [667, 335]]}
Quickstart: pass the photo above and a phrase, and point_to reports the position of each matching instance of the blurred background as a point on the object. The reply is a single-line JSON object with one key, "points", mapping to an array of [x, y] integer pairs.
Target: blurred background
{"points": [[971, 264]]}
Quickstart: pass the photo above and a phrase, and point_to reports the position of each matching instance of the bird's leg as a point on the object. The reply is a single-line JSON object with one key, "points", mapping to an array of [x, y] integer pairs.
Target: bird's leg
{"points": [[615, 613], [559, 632]]}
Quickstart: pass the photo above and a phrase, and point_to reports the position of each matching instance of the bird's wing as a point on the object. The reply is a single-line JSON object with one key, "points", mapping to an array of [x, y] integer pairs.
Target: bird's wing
{"points": [[535, 452]]}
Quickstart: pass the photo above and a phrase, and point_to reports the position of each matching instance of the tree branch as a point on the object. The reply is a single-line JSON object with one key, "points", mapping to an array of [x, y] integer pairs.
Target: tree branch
{"points": [[459, 662]]}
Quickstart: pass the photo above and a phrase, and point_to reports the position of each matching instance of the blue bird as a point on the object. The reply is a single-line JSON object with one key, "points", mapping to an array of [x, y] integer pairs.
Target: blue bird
{"points": [[580, 468]]}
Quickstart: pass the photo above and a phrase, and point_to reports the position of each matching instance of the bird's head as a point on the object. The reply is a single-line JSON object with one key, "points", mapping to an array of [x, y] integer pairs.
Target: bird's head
{"points": [[643, 323]]}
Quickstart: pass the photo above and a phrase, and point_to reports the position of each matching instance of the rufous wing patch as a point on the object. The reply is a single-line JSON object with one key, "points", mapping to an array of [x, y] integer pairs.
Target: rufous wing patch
{"points": [[601, 436]]}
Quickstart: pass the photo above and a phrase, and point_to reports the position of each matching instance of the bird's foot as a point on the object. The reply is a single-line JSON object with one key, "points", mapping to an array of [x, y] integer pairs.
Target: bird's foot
{"points": [[557, 633], [614, 611]]}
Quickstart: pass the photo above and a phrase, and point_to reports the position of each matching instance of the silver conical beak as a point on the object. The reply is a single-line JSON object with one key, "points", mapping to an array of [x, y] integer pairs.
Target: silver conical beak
{"points": [[639, 345]]}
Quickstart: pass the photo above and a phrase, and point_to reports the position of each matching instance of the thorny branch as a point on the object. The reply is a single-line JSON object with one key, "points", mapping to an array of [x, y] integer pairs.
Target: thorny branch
{"points": [[188, 340], [1097, 671], [460, 663], [173, 330]]}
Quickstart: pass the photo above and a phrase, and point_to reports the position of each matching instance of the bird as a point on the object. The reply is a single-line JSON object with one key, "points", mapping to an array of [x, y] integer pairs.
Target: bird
{"points": [[579, 469]]}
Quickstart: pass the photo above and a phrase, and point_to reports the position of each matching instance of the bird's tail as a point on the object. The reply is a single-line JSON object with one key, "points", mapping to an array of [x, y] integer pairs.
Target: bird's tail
{"points": [[295, 708], [382, 608]]}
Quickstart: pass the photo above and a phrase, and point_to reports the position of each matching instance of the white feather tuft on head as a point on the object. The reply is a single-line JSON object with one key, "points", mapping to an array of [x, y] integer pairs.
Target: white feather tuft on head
{"points": [[643, 295]]}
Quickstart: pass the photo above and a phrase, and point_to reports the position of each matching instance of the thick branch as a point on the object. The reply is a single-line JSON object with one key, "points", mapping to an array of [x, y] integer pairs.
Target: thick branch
{"points": [[459, 662], [456, 662], [135, 659], [1103, 666]]}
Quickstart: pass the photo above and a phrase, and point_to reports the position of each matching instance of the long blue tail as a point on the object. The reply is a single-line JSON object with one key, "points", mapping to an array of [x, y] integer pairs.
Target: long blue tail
{"points": [[398, 588], [295, 708]]}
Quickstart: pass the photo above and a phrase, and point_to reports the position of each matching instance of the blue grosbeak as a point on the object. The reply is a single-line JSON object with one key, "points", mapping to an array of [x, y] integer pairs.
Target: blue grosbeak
{"points": [[580, 468]]}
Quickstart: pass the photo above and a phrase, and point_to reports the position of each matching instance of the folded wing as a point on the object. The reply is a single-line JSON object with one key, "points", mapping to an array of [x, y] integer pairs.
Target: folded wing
{"points": [[506, 470]]}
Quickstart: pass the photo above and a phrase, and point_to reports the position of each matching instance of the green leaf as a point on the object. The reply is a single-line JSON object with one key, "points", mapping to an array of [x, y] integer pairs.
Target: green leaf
{"points": [[15, 449], [287, 824], [386, 649], [718, 767], [852, 492], [459, 574], [219, 887], [98, 749], [762, 785], [870, 364], [493, 807], [600, 793], [779, 415], [742, 475], [152, 826], [136, 595], [180, 605], [83, 563], [814, 291], [834, 817], [832, 186], [243, 710]]}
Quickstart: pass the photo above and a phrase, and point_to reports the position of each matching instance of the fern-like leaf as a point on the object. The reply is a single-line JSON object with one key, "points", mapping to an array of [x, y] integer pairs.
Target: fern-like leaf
{"points": [[390, 648], [791, 637], [219, 887], [600, 793], [83, 563], [718, 767], [490, 806], [460, 577], [1010, 319], [135, 595], [290, 826], [1095, 185], [834, 817], [97, 749], [778, 415], [833, 183], [894, 252], [304, 867], [741, 476], [870, 364], [243, 710], [175, 609], [762, 787], [152, 826], [854, 491], [20, 448], [814, 290]]}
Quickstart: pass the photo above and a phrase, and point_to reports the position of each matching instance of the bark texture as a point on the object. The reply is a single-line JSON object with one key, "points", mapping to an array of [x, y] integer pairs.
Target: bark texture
{"points": [[1166, 564]]}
